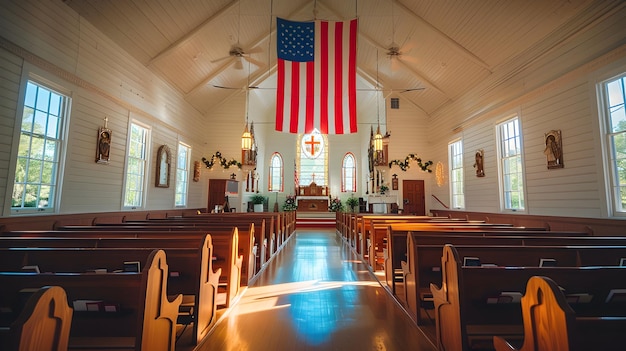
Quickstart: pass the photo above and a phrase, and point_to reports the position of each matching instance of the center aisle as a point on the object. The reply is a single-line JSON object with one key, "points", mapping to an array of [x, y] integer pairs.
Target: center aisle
{"points": [[315, 295]]}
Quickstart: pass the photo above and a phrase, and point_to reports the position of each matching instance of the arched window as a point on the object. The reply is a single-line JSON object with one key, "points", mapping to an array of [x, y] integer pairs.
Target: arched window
{"points": [[348, 173], [312, 158], [276, 173]]}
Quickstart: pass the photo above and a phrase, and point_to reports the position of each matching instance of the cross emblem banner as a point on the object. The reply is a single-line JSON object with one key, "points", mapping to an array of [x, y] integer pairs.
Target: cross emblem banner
{"points": [[313, 145]]}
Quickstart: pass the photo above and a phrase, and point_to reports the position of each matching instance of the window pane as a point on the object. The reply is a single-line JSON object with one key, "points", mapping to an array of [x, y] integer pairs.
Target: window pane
{"points": [[615, 117], [511, 165], [455, 152], [348, 173], [182, 175], [135, 167], [276, 173], [27, 119]]}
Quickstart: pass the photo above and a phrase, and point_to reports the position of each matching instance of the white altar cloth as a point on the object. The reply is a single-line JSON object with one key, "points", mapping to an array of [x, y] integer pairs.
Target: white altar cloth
{"points": [[382, 203], [310, 197]]}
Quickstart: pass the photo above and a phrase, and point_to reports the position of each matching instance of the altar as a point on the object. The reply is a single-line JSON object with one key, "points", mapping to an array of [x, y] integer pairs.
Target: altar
{"points": [[312, 203], [312, 198], [382, 203]]}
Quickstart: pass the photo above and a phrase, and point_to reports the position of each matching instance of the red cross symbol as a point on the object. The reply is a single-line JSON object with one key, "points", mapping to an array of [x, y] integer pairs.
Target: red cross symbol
{"points": [[312, 143]]}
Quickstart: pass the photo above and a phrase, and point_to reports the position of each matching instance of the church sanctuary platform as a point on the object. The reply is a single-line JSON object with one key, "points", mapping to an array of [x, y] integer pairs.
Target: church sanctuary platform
{"points": [[315, 295], [315, 219]]}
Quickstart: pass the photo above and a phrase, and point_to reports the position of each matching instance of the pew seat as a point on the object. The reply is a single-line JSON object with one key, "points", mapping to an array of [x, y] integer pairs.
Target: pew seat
{"points": [[141, 317], [43, 323], [550, 323], [479, 298]]}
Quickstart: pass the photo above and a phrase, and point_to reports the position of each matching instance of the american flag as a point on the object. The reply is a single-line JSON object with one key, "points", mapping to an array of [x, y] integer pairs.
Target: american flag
{"points": [[296, 181], [316, 76]]}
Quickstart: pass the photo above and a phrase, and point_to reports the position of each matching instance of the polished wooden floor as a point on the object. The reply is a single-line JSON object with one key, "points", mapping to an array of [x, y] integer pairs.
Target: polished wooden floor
{"points": [[315, 295]]}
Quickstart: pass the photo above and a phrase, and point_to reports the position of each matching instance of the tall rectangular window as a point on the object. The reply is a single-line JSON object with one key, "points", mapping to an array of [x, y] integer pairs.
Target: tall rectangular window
{"points": [[136, 164], [182, 175], [511, 168], [615, 139], [37, 169], [457, 186]]}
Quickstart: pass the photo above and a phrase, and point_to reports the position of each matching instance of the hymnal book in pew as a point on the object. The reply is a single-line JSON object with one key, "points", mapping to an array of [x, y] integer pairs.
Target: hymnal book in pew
{"points": [[547, 262], [579, 298], [506, 297], [471, 261], [87, 305], [132, 266], [32, 269], [616, 295], [427, 301]]}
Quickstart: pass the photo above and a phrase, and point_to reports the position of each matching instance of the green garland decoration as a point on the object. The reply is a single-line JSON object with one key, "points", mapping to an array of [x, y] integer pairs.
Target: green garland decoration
{"points": [[217, 156], [404, 165]]}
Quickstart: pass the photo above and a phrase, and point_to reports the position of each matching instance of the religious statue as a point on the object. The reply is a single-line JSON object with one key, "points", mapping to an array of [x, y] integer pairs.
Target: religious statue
{"points": [[553, 150], [103, 148], [480, 171]]}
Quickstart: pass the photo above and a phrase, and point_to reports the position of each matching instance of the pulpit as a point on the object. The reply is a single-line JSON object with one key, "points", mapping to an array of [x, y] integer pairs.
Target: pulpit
{"points": [[313, 198]]}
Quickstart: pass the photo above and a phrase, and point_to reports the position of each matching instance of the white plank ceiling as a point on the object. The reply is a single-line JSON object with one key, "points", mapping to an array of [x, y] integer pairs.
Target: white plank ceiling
{"points": [[443, 46]]}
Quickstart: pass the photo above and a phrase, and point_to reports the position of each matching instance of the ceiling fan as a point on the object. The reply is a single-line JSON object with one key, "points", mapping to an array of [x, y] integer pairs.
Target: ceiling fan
{"points": [[239, 54]]}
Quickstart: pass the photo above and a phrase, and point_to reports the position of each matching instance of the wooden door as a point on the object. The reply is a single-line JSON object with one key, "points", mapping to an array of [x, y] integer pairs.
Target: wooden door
{"points": [[217, 193], [413, 198]]}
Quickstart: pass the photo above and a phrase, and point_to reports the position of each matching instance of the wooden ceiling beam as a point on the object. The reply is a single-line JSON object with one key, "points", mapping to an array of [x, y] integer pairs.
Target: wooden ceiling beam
{"points": [[446, 39], [192, 33]]}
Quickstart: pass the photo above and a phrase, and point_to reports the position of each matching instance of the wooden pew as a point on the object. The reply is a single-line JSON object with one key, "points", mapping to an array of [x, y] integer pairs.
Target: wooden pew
{"points": [[266, 240], [474, 304], [422, 266], [145, 318], [397, 242], [551, 324], [190, 262], [375, 231], [225, 244], [254, 245], [42, 324]]}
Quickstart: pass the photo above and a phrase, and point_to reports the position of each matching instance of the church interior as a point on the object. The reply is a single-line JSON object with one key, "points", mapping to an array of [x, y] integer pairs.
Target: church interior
{"points": [[422, 142]]}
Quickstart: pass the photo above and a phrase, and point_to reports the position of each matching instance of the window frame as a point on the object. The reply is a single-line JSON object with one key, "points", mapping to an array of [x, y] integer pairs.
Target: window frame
{"points": [[611, 168], [146, 164], [185, 171], [31, 75], [344, 173], [504, 168], [455, 154], [281, 176]]}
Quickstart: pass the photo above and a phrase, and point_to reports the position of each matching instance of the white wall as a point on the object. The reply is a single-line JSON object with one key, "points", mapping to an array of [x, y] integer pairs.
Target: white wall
{"points": [[47, 38], [555, 91]]}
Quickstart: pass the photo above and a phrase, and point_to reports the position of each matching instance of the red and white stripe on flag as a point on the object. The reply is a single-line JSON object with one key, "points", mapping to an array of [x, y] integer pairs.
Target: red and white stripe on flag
{"points": [[320, 93]]}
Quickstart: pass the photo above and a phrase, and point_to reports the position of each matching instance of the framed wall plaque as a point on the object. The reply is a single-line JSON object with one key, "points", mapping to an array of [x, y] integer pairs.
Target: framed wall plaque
{"points": [[162, 177]]}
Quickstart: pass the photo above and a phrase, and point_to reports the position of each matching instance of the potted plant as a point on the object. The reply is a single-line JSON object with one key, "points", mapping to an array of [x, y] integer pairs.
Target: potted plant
{"points": [[258, 200], [352, 202], [383, 189]]}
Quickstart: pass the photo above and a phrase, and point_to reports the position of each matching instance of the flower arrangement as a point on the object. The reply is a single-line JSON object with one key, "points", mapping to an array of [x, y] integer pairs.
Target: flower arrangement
{"points": [[217, 156], [336, 205], [290, 203]]}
